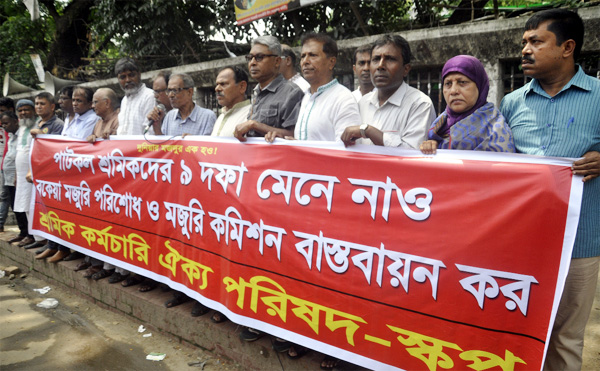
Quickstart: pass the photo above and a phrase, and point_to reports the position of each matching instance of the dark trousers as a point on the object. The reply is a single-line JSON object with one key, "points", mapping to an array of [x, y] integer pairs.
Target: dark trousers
{"points": [[7, 200]]}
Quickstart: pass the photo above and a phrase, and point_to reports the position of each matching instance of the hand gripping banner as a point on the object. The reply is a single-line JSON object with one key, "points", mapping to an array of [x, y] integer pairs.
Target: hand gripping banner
{"points": [[383, 257]]}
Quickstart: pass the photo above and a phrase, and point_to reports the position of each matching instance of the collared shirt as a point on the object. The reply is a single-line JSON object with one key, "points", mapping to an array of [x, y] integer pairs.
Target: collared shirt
{"points": [[404, 118], [276, 105], [357, 94], [229, 119], [81, 126], [301, 82], [199, 122], [326, 113], [565, 125], [134, 109], [52, 126], [9, 167], [111, 123]]}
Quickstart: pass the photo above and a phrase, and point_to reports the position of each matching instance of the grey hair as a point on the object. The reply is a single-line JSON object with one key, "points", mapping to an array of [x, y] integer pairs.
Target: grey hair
{"points": [[270, 42], [125, 64], [111, 96], [188, 82]]}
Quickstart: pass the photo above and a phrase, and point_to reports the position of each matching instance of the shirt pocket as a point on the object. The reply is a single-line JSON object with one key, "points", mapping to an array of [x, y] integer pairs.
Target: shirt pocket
{"points": [[270, 116]]}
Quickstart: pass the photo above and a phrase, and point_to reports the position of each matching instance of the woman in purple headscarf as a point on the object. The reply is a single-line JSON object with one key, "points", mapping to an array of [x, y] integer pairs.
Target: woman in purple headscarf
{"points": [[469, 122]]}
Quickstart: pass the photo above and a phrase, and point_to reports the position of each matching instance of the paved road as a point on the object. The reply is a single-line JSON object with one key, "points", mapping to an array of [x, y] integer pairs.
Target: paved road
{"points": [[79, 335]]}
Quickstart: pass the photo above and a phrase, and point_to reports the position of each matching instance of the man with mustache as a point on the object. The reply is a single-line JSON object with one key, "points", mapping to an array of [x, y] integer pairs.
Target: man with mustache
{"points": [[362, 71], [138, 99], [557, 114], [232, 83], [395, 114], [275, 101], [327, 107]]}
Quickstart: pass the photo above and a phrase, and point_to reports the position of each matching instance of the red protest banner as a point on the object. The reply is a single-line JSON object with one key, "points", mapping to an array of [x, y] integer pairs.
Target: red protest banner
{"points": [[387, 261]]}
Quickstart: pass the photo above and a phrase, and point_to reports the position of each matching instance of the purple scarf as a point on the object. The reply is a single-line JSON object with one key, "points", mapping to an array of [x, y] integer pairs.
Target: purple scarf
{"points": [[473, 69]]}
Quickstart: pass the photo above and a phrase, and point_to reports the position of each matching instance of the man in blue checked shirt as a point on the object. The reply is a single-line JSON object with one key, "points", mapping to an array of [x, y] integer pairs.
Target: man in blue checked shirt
{"points": [[186, 117], [558, 114]]}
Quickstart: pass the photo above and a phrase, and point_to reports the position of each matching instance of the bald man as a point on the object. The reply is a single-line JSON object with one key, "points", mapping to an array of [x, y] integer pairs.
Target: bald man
{"points": [[105, 103]]}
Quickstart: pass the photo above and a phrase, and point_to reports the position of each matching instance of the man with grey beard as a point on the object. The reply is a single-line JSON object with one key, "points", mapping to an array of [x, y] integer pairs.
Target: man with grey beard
{"points": [[138, 99], [25, 109]]}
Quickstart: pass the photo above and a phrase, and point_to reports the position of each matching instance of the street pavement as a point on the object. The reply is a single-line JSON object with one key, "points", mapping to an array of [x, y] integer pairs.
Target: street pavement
{"points": [[80, 335]]}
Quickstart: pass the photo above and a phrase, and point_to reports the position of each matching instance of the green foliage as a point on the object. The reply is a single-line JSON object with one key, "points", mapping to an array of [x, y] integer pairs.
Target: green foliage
{"points": [[15, 49], [161, 32], [339, 19]]}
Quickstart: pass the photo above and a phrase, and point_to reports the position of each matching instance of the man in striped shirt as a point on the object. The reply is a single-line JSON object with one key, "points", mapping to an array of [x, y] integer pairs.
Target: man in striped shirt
{"points": [[557, 114]]}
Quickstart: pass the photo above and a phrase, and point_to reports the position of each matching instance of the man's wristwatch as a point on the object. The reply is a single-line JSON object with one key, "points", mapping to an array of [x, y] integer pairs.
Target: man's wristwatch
{"points": [[363, 128]]}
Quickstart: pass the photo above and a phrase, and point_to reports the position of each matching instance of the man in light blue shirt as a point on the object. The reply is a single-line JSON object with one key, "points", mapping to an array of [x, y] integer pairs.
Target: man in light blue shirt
{"points": [[186, 117], [85, 118], [558, 114]]}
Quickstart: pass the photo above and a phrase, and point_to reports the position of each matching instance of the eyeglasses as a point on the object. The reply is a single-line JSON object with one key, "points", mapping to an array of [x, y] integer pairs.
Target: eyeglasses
{"points": [[159, 91], [175, 91], [259, 57]]}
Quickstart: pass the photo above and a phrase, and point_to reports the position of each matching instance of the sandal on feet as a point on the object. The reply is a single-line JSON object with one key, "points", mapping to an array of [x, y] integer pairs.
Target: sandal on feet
{"points": [[296, 351], [148, 285], [178, 299], [117, 277], [102, 273], [280, 345], [329, 363], [82, 265], [199, 309], [218, 317], [89, 272], [251, 334], [132, 280]]}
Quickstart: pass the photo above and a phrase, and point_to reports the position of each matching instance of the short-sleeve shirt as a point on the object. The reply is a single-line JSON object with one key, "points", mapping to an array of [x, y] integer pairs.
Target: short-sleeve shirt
{"points": [[276, 105], [52, 126], [199, 122]]}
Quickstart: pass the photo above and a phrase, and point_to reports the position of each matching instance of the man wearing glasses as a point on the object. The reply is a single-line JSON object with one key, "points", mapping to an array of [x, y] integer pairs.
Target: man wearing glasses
{"points": [[155, 117], [275, 101], [186, 117]]}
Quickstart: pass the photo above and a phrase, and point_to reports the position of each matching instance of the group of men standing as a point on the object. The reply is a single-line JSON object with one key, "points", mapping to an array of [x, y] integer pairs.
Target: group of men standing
{"points": [[556, 114]]}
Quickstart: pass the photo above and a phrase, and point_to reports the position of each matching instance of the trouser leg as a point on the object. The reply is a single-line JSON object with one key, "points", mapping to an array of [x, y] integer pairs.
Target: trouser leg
{"points": [[566, 342]]}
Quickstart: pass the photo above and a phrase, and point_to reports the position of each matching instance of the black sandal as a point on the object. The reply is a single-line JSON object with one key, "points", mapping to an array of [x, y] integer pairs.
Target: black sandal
{"points": [[148, 285], [102, 273], [132, 280], [178, 299]]}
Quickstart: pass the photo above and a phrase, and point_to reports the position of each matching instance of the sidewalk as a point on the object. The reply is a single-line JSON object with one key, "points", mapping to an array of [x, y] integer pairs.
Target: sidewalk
{"points": [[222, 339], [148, 308]]}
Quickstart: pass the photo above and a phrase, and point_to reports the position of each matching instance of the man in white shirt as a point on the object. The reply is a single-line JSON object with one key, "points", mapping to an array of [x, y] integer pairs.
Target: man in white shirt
{"points": [[362, 71], [394, 114], [232, 83], [288, 68], [327, 107], [138, 99]]}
